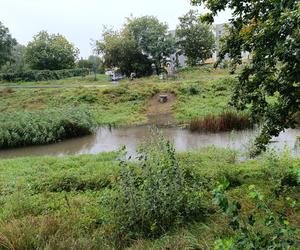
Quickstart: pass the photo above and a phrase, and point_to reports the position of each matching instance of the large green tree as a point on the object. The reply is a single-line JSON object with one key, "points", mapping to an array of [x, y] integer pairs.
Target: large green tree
{"points": [[120, 50], [52, 52], [7, 44], [195, 39], [152, 38], [270, 84]]}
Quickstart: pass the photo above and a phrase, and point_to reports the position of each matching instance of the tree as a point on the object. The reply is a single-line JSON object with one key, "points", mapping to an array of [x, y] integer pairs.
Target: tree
{"points": [[152, 38], [52, 52], [84, 63], [195, 39], [121, 51], [94, 63], [7, 44], [270, 84], [16, 63]]}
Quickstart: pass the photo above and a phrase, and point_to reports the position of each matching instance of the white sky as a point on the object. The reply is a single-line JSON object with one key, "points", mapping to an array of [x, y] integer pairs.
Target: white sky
{"points": [[83, 20]]}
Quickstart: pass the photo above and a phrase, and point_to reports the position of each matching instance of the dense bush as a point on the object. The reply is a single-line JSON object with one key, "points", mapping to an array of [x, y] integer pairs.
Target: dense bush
{"points": [[44, 126], [193, 89], [42, 75], [154, 195]]}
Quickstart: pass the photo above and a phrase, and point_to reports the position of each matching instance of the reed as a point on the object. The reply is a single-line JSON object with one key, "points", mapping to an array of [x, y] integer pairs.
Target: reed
{"points": [[226, 121], [43, 126]]}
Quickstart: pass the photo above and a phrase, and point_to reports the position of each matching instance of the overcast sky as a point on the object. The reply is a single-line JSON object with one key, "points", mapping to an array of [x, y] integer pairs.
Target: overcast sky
{"points": [[83, 20]]}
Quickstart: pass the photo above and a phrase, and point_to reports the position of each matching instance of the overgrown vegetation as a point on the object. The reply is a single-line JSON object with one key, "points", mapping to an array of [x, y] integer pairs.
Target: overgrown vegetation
{"points": [[159, 200], [43, 127], [154, 195], [226, 121], [248, 232]]}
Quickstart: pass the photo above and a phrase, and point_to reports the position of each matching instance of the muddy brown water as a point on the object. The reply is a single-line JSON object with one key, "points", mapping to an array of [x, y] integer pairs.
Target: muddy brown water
{"points": [[108, 140]]}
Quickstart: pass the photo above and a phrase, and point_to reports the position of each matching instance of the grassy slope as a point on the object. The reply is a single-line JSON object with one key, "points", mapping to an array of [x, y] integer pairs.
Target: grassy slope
{"points": [[126, 104], [57, 202]]}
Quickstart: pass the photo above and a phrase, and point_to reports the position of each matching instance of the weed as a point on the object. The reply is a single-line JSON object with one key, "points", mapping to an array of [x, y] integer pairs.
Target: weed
{"points": [[154, 195]]}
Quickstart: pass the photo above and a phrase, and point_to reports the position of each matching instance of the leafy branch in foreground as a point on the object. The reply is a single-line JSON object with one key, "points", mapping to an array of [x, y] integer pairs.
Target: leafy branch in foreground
{"points": [[270, 84], [248, 233]]}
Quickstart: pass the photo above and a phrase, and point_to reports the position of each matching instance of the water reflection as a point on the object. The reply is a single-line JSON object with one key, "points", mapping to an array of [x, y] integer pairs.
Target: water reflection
{"points": [[107, 139]]}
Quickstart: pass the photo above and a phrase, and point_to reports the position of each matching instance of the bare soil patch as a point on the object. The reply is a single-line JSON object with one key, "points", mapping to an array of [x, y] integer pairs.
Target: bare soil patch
{"points": [[161, 114], [7, 91]]}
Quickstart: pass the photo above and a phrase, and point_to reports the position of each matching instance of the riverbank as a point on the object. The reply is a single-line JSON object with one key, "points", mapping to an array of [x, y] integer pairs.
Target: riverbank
{"points": [[199, 92], [61, 203]]}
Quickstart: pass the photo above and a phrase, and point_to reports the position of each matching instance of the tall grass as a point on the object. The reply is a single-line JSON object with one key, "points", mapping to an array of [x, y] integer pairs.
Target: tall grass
{"points": [[65, 202], [226, 121], [43, 126]]}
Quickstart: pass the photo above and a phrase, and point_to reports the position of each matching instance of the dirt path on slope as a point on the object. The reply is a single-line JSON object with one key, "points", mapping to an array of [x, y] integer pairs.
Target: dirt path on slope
{"points": [[161, 114]]}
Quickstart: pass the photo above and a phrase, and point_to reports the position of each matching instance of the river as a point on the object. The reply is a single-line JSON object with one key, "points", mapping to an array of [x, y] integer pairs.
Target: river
{"points": [[106, 139]]}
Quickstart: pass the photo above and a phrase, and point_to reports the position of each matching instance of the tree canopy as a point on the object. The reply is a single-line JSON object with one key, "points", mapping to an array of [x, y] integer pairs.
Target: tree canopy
{"points": [[195, 39], [121, 51], [52, 52], [7, 44], [270, 84], [152, 38]]}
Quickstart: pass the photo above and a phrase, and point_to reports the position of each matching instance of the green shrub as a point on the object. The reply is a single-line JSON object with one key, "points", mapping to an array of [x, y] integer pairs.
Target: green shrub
{"points": [[154, 195], [43, 126], [88, 97], [42, 75], [262, 229], [224, 84], [190, 90]]}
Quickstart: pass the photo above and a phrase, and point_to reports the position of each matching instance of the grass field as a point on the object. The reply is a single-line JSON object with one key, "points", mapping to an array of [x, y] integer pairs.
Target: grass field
{"points": [[61, 203], [199, 92]]}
